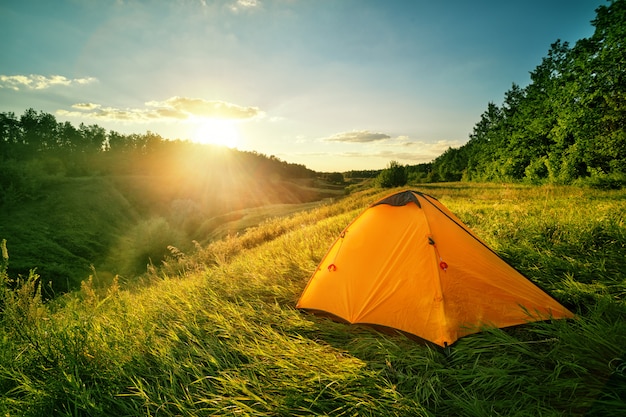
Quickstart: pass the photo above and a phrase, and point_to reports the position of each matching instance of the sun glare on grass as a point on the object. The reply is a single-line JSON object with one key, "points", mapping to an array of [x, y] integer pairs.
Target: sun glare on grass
{"points": [[217, 132]]}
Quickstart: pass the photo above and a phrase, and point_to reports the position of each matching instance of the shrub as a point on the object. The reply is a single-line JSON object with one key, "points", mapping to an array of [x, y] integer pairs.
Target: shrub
{"points": [[537, 170], [146, 244], [602, 181], [394, 175]]}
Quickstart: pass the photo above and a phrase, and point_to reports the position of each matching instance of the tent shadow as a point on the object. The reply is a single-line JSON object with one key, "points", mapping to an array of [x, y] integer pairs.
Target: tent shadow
{"points": [[342, 335]]}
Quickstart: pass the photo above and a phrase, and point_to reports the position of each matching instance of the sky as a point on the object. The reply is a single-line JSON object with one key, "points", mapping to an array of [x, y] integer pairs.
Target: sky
{"points": [[336, 85]]}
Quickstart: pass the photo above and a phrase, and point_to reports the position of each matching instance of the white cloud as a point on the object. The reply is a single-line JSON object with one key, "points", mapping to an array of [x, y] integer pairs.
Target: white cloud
{"points": [[248, 3], [86, 106], [357, 136], [174, 108], [205, 108], [86, 80], [244, 5], [384, 147], [106, 113], [409, 152], [400, 149], [40, 82]]}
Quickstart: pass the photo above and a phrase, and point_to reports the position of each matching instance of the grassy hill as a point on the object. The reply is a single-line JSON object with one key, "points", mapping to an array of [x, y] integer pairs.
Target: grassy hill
{"points": [[214, 331], [123, 211]]}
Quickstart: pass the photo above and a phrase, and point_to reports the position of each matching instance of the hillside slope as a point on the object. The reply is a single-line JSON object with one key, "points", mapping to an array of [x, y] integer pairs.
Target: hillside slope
{"points": [[215, 331], [119, 224], [70, 225]]}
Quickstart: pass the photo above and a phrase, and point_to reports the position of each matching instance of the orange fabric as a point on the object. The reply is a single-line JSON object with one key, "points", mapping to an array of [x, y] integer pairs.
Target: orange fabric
{"points": [[422, 271]]}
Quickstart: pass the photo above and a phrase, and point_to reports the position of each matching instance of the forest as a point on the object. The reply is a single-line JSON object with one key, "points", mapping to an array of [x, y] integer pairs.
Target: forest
{"points": [[567, 125], [62, 149]]}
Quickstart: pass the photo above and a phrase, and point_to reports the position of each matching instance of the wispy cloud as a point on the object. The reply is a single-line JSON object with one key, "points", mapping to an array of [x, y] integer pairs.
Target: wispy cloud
{"points": [[40, 82], [357, 136], [86, 106], [174, 108], [206, 108], [401, 149], [386, 147], [409, 151], [244, 5], [248, 3]]}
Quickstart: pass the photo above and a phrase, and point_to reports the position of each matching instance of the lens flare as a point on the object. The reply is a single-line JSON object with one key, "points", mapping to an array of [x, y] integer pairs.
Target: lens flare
{"points": [[217, 132]]}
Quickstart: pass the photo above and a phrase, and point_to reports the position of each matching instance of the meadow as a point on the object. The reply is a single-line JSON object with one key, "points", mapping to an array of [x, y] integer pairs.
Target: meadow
{"points": [[214, 330]]}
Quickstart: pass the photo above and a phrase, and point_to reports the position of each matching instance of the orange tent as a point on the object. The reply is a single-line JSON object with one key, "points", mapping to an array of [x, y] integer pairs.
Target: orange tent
{"points": [[408, 263]]}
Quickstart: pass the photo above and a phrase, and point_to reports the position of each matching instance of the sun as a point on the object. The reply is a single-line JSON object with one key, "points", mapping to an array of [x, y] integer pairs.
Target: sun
{"points": [[216, 132]]}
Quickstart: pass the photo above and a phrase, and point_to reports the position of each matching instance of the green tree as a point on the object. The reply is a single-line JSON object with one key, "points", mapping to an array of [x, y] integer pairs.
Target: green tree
{"points": [[39, 131], [449, 166], [10, 134], [394, 175], [603, 74], [93, 138], [334, 177], [484, 145], [118, 142], [69, 137], [568, 123]]}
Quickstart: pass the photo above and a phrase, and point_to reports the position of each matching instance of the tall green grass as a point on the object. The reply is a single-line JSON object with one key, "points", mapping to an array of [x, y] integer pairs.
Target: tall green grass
{"points": [[215, 332]]}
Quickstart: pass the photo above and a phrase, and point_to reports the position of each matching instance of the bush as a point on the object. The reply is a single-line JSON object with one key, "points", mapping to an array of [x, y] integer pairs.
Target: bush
{"points": [[19, 182], [145, 244], [394, 175], [602, 181], [537, 171]]}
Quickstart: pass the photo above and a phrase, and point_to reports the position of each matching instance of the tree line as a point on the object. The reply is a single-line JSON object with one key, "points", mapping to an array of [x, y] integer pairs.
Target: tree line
{"points": [[567, 124], [35, 144]]}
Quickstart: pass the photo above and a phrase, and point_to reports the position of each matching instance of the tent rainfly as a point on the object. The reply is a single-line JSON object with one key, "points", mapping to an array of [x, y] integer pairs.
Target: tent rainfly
{"points": [[408, 263]]}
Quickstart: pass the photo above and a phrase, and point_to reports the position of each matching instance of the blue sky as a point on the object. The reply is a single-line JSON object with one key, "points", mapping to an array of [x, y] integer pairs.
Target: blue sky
{"points": [[334, 85]]}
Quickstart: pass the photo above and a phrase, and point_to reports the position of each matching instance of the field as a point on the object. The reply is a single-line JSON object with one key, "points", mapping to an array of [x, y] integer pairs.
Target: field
{"points": [[214, 331]]}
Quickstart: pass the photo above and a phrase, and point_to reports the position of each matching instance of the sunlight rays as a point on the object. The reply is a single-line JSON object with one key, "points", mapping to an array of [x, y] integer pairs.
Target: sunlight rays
{"points": [[222, 132]]}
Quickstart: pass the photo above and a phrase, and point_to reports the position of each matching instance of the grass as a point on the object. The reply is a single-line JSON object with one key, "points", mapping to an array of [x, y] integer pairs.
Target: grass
{"points": [[215, 331]]}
